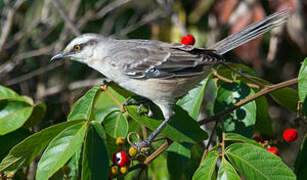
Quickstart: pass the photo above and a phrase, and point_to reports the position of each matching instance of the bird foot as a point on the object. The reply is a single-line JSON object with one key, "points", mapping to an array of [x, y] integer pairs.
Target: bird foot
{"points": [[141, 103], [143, 146]]}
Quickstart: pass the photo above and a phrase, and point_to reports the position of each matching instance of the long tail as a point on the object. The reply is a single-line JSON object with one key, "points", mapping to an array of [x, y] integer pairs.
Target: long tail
{"points": [[251, 32]]}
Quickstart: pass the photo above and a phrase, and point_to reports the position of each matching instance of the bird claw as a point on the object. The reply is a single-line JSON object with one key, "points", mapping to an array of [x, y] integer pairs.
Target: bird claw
{"points": [[141, 103], [143, 146]]}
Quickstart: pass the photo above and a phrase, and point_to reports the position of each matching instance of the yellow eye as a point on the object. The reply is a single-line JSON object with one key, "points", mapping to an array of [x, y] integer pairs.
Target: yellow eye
{"points": [[77, 48]]}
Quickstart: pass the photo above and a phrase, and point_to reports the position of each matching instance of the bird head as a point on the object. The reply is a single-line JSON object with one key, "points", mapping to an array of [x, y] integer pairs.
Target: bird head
{"points": [[81, 48]]}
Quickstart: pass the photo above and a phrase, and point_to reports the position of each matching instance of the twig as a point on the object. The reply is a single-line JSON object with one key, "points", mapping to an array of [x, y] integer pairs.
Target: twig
{"points": [[8, 23], [231, 81], [34, 73], [208, 144], [223, 144], [111, 7], [66, 18], [160, 150], [262, 92], [244, 76], [145, 20], [10, 65], [72, 86]]}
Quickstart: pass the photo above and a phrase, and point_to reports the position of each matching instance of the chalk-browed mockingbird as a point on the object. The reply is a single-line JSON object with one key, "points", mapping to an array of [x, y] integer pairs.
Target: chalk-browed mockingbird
{"points": [[159, 71]]}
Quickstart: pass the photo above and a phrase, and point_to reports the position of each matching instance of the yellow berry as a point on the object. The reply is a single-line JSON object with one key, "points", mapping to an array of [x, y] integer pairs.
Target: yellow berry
{"points": [[120, 141], [114, 170], [123, 170], [133, 151], [10, 174]]}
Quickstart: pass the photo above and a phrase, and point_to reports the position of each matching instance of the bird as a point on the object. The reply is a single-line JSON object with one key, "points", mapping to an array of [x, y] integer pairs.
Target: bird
{"points": [[159, 71]]}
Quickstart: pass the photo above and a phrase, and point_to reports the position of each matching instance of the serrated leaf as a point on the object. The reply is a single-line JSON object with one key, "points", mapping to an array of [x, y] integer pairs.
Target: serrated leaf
{"points": [[13, 114], [82, 109], [257, 163], [24, 153], [192, 101], [95, 163], [206, 171], [263, 119], [239, 138], [227, 172], [116, 124], [300, 162], [302, 86], [241, 120], [60, 150], [182, 127]]}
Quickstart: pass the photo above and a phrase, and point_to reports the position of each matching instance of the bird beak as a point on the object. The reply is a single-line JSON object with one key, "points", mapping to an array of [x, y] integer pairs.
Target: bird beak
{"points": [[57, 56]]}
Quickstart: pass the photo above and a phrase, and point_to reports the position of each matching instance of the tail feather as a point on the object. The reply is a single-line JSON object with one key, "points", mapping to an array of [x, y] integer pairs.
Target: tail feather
{"points": [[251, 32]]}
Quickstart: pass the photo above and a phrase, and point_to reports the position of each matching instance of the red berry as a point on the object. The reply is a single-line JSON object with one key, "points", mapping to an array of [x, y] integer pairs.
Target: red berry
{"points": [[258, 139], [121, 159], [273, 150], [290, 135], [188, 39]]}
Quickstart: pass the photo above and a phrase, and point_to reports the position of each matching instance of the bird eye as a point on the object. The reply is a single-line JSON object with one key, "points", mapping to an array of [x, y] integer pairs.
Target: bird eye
{"points": [[77, 47]]}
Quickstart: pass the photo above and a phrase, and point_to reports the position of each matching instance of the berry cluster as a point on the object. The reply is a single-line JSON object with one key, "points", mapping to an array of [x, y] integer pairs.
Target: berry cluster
{"points": [[289, 135], [122, 159]]}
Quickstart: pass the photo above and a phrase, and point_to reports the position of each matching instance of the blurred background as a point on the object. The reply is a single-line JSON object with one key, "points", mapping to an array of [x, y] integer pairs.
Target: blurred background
{"points": [[31, 31]]}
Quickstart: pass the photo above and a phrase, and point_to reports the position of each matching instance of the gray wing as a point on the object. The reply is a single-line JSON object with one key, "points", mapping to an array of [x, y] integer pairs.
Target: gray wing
{"points": [[145, 59]]}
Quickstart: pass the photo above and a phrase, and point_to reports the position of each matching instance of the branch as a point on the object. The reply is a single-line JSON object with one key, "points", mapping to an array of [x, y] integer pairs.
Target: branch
{"points": [[110, 7], [10, 65], [7, 27], [208, 144], [72, 86], [32, 74], [64, 15], [262, 92]]}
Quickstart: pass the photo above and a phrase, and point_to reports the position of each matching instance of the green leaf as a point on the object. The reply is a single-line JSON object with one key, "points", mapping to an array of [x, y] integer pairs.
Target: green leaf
{"points": [[182, 127], [101, 114], [286, 97], [207, 168], [178, 156], [95, 164], [239, 138], [192, 101], [8, 94], [74, 165], [37, 115], [60, 150], [263, 119], [300, 162], [241, 120], [13, 114], [11, 139], [24, 153], [302, 86], [256, 163], [99, 129], [116, 124], [82, 109], [227, 172]]}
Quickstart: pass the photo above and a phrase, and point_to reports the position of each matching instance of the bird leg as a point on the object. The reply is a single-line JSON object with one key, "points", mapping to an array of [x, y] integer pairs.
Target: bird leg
{"points": [[148, 141], [141, 102]]}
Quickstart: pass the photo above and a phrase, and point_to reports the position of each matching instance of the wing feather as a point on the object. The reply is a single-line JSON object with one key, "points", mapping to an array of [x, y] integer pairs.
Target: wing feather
{"points": [[143, 59]]}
